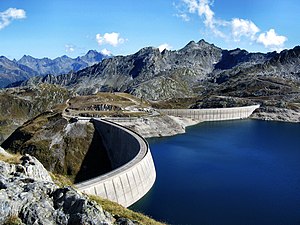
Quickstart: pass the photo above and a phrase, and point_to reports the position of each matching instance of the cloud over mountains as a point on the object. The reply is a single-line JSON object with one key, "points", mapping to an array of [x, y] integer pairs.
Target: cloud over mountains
{"points": [[235, 29], [7, 16]]}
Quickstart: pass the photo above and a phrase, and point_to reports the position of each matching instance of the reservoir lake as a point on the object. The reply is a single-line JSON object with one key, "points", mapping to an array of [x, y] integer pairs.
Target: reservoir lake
{"points": [[232, 172]]}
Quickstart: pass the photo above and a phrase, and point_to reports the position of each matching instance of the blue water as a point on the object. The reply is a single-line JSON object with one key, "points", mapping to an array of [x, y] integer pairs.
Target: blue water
{"points": [[235, 172]]}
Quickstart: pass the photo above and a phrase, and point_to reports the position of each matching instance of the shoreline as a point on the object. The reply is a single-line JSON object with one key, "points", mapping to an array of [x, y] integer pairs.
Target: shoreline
{"points": [[160, 126], [164, 126]]}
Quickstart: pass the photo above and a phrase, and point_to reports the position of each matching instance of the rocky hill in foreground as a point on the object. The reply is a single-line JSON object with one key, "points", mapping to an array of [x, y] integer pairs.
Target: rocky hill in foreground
{"points": [[29, 196], [28, 66]]}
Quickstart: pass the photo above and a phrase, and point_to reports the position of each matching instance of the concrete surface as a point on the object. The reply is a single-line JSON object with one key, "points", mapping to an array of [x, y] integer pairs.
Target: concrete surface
{"points": [[134, 172], [212, 114]]}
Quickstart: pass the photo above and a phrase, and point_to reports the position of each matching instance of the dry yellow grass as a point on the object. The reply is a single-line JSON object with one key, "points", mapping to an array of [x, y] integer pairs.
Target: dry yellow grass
{"points": [[12, 159], [116, 209]]}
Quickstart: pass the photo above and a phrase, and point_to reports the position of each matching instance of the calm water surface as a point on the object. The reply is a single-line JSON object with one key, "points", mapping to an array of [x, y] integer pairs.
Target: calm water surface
{"points": [[236, 172]]}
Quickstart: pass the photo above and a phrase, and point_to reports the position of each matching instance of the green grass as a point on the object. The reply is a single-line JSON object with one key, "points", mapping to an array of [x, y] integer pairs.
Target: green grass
{"points": [[120, 211]]}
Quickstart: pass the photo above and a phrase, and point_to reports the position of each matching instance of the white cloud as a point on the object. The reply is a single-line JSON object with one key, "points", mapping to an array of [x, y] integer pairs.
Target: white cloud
{"points": [[202, 8], [271, 40], [192, 5], [234, 29], [164, 46], [241, 27], [183, 16], [106, 52], [70, 48], [9, 15], [113, 39]]}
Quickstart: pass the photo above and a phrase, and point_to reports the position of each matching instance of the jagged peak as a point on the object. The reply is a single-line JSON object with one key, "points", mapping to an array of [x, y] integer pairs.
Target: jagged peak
{"points": [[26, 57], [147, 50], [199, 45], [238, 51], [3, 57], [92, 51], [202, 42], [190, 44]]}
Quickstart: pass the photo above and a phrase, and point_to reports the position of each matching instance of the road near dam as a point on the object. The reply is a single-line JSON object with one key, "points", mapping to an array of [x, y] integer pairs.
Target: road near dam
{"points": [[133, 172]]}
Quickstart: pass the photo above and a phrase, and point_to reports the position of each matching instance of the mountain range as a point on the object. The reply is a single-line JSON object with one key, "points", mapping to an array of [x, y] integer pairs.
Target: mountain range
{"points": [[28, 66], [197, 69], [200, 75]]}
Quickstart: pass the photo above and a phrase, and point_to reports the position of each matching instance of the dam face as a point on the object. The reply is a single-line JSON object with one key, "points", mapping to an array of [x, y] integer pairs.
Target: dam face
{"points": [[134, 172], [217, 114]]}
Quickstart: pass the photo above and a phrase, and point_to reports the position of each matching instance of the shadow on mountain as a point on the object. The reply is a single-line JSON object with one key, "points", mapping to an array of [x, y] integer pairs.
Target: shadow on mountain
{"points": [[96, 161]]}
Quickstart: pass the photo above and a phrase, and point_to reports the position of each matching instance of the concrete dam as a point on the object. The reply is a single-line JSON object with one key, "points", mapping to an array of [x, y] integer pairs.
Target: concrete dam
{"points": [[216, 114], [133, 172], [129, 153]]}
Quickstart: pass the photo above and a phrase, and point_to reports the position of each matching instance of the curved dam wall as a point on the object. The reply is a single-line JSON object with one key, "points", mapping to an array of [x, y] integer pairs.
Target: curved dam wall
{"points": [[134, 172], [216, 114]]}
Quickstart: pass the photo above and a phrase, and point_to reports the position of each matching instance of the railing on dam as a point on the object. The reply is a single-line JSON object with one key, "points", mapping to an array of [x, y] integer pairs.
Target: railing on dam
{"points": [[134, 172], [215, 114]]}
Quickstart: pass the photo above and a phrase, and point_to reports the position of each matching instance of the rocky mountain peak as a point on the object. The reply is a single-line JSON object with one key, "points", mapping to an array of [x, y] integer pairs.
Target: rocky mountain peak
{"points": [[28, 66], [202, 43], [25, 58], [92, 53], [199, 46], [92, 56], [147, 51]]}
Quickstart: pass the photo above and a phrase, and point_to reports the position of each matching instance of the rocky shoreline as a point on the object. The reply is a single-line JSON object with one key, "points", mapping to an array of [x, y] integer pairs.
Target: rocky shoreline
{"points": [[163, 126], [278, 114], [159, 126]]}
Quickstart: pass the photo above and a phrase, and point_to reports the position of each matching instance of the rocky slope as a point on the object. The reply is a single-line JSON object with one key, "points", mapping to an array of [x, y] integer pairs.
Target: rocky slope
{"points": [[158, 126], [148, 73], [66, 147], [29, 196], [18, 70], [155, 75], [18, 105]]}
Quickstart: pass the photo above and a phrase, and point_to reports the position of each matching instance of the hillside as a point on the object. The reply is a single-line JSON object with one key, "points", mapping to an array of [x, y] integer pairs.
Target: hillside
{"points": [[17, 105]]}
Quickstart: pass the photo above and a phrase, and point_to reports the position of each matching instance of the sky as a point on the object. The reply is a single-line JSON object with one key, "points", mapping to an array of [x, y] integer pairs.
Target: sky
{"points": [[52, 28]]}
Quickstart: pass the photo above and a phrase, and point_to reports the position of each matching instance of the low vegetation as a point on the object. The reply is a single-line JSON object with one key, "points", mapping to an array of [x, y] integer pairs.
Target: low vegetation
{"points": [[119, 211], [61, 180], [11, 158], [13, 220]]}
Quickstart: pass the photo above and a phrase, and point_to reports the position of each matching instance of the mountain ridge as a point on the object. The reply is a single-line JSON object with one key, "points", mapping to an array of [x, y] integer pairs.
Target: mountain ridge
{"points": [[27, 66], [157, 75]]}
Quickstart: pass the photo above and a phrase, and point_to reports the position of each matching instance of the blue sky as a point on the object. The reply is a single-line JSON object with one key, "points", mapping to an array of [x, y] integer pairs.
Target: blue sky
{"points": [[51, 28]]}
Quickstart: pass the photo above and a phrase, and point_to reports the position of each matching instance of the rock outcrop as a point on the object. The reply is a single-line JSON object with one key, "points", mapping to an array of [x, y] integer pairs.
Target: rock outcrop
{"points": [[28, 195]]}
